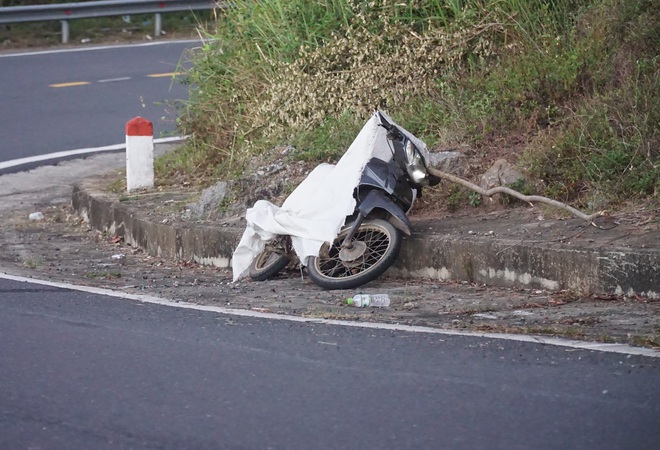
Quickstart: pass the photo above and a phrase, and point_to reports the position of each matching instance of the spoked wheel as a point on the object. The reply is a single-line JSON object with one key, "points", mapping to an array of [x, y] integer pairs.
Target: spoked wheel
{"points": [[376, 245], [267, 264]]}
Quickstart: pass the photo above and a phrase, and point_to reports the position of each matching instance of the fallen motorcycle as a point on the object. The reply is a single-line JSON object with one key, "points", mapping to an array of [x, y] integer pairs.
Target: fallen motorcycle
{"points": [[370, 241]]}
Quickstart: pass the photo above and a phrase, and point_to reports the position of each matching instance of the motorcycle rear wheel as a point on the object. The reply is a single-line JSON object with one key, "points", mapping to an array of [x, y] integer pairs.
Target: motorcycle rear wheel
{"points": [[267, 264], [383, 242]]}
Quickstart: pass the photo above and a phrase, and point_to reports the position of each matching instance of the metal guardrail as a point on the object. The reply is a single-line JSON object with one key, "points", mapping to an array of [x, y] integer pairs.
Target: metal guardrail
{"points": [[64, 12]]}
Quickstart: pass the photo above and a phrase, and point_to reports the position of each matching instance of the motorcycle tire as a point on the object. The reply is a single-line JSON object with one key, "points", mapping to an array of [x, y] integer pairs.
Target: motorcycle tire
{"points": [[267, 264], [383, 242]]}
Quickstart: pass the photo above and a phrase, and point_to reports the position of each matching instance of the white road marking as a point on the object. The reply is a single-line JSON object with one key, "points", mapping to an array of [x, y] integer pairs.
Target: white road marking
{"points": [[582, 345], [82, 151], [112, 80], [98, 47]]}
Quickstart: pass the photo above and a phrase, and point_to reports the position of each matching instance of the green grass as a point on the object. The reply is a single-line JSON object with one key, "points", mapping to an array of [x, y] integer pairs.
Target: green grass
{"points": [[31, 263], [578, 79], [108, 275]]}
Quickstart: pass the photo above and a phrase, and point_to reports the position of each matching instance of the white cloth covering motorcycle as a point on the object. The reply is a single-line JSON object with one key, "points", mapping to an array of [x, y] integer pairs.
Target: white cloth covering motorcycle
{"points": [[315, 211]]}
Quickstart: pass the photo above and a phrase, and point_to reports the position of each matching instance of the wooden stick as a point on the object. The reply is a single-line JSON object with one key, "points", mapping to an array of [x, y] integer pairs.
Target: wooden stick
{"points": [[526, 198]]}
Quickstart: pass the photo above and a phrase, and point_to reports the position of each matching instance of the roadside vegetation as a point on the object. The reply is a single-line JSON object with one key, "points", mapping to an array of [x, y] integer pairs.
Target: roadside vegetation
{"points": [[574, 83]]}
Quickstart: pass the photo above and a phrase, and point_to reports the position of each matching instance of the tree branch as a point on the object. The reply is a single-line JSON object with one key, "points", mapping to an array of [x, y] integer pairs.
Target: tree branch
{"points": [[526, 198]]}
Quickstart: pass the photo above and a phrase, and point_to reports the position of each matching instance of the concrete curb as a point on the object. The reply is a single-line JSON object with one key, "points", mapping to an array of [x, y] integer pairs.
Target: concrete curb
{"points": [[507, 262], [447, 253], [203, 244]]}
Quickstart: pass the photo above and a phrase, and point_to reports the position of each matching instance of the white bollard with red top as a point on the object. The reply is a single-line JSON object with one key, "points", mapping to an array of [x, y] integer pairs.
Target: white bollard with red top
{"points": [[139, 154]]}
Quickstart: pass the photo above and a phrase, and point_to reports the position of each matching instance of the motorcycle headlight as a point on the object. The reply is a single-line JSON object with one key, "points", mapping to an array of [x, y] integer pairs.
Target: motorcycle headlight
{"points": [[416, 167]]}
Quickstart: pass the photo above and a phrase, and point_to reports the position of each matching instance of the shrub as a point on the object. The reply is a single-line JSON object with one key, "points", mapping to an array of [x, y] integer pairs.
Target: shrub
{"points": [[578, 78]]}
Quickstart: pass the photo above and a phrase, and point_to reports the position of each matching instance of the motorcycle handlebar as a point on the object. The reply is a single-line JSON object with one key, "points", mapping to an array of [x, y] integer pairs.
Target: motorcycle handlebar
{"points": [[394, 131], [384, 123]]}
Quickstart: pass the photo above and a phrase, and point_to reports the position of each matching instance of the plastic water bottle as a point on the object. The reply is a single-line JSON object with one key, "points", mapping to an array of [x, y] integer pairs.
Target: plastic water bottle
{"points": [[362, 300]]}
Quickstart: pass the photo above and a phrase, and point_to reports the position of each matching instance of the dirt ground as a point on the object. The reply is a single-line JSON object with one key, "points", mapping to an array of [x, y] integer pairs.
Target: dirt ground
{"points": [[63, 248]]}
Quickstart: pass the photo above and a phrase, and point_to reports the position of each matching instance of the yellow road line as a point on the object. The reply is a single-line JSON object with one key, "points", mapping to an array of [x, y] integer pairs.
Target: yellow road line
{"points": [[82, 83], [73, 83], [169, 74]]}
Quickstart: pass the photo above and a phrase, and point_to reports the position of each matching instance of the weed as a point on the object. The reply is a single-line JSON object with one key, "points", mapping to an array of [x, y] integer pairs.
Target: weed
{"points": [[652, 341], [605, 338], [31, 263], [469, 311], [329, 314], [541, 330], [224, 205], [573, 332], [475, 199], [580, 78], [111, 274], [519, 185], [455, 198], [118, 185]]}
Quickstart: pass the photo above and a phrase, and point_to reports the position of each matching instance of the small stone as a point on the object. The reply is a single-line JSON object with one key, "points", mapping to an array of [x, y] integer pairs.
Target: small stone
{"points": [[118, 256], [502, 173], [485, 316], [36, 216], [451, 162]]}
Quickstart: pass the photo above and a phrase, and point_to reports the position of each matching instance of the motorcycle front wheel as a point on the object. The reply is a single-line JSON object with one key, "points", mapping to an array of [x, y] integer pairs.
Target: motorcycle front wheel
{"points": [[267, 264], [381, 242]]}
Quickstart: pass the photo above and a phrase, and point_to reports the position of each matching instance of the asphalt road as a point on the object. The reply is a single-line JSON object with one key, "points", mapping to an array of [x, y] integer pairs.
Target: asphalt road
{"points": [[82, 370], [57, 101]]}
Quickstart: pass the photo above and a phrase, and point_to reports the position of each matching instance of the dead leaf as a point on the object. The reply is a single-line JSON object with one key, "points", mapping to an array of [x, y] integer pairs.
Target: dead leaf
{"points": [[556, 302]]}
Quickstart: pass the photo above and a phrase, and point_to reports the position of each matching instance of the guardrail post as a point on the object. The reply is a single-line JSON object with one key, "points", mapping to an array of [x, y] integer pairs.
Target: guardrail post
{"points": [[158, 24], [139, 154], [65, 31]]}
